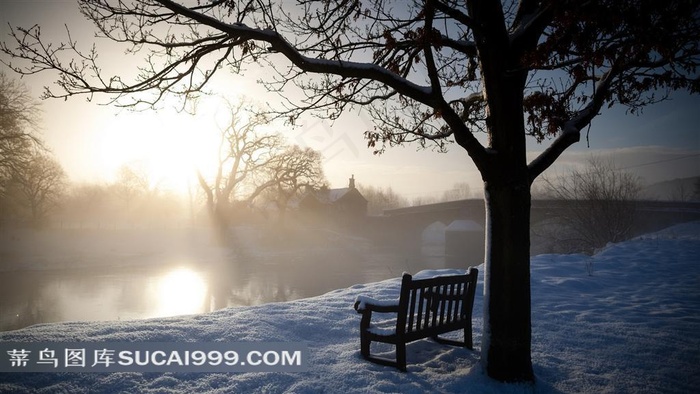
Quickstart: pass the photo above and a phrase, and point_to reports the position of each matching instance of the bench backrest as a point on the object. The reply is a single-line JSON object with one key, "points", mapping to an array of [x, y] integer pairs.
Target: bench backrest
{"points": [[436, 305]]}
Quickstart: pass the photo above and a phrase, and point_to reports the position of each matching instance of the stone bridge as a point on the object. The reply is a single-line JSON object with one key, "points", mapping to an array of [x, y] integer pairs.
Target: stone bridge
{"points": [[408, 225]]}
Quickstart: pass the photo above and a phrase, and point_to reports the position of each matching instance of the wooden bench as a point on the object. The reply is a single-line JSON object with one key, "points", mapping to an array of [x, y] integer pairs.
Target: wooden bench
{"points": [[426, 308]]}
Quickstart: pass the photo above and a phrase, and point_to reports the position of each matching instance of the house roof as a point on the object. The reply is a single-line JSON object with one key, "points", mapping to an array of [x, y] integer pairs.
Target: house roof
{"points": [[324, 196], [328, 196], [333, 195]]}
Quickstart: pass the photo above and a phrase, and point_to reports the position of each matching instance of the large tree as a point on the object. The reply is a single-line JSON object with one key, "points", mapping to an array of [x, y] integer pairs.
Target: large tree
{"points": [[37, 187], [432, 71], [245, 152], [292, 172], [19, 118]]}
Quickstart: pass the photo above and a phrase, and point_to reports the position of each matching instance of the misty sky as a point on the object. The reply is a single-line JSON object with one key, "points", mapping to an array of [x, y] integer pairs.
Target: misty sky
{"points": [[92, 141]]}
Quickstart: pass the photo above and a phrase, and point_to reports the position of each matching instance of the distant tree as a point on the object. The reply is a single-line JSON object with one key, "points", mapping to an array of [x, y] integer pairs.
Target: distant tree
{"points": [[460, 191], [696, 191], [87, 203], [428, 71], [19, 118], [37, 187], [381, 198], [130, 200], [291, 172], [245, 152], [131, 183], [424, 200], [161, 208], [600, 205], [680, 192]]}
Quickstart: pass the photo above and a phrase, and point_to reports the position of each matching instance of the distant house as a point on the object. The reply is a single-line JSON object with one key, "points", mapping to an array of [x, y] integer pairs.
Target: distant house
{"points": [[345, 203]]}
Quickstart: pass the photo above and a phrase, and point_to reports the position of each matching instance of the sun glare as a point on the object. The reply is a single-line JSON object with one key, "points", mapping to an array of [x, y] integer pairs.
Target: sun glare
{"points": [[170, 147], [181, 292]]}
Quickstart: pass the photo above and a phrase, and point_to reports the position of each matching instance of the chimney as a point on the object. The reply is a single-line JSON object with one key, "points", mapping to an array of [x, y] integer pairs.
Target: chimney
{"points": [[352, 182]]}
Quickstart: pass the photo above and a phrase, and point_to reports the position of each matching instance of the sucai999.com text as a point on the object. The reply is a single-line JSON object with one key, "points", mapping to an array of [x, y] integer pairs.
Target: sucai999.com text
{"points": [[152, 357]]}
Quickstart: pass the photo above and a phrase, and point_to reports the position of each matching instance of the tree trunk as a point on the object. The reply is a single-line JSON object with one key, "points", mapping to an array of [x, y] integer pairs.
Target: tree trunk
{"points": [[218, 216], [507, 331]]}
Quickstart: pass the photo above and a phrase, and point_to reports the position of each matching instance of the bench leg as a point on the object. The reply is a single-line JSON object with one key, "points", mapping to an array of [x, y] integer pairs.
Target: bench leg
{"points": [[468, 337], [364, 346], [468, 343], [401, 356], [400, 362]]}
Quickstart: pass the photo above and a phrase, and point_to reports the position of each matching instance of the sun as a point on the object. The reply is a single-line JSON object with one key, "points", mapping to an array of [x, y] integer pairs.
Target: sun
{"points": [[168, 146]]}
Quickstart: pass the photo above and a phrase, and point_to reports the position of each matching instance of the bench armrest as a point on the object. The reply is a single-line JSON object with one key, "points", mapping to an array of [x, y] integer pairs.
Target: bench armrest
{"points": [[364, 303]]}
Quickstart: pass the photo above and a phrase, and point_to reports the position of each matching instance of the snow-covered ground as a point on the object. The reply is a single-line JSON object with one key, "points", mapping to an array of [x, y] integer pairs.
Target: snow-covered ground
{"points": [[626, 320]]}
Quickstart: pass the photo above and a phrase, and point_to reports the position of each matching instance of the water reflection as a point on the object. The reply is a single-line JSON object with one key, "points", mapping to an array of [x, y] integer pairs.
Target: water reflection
{"points": [[181, 291], [124, 293]]}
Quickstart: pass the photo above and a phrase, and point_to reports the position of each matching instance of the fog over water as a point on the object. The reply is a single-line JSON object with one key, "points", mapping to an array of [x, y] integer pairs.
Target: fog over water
{"points": [[120, 274], [120, 270]]}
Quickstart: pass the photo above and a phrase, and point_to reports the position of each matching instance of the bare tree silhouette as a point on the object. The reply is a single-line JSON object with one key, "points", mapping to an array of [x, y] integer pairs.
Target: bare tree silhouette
{"points": [[37, 186], [19, 117], [244, 154], [601, 205], [293, 171]]}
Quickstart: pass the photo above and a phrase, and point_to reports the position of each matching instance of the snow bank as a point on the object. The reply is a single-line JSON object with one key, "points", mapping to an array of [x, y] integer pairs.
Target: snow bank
{"points": [[629, 324]]}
